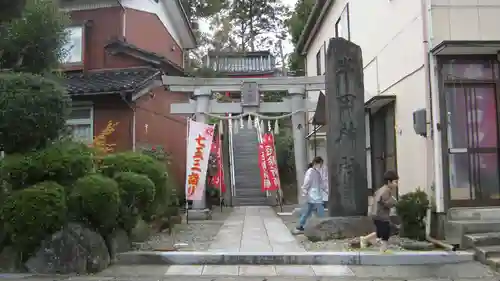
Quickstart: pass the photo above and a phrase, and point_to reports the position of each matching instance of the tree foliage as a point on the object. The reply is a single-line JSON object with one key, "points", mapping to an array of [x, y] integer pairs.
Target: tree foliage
{"points": [[33, 111], [259, 22], [10, 9], [196, 9], [33, 42], [296, 23], [239, 25]]}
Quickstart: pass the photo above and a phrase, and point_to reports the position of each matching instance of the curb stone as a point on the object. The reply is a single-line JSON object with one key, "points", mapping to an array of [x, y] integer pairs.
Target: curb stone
{"points": [[297, 258]]}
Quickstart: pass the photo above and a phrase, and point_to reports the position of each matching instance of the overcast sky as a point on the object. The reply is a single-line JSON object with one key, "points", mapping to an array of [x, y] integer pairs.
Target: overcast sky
{"points": [[288, 47]]}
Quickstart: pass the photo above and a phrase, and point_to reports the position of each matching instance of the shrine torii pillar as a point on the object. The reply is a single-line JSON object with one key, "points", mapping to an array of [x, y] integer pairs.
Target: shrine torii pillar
{"points": [[295, 105]]}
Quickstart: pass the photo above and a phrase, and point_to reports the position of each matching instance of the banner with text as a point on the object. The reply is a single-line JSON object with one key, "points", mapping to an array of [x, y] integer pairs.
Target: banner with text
{"points": [[199, 142], [217, 180], [268, 166]]}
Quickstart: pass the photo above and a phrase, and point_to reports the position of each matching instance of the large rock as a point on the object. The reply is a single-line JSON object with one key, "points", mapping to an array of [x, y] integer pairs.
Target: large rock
{"points": [[141, 232], [10, 260], [3, 236], [118, 242], [338, 228], [75, 249]]}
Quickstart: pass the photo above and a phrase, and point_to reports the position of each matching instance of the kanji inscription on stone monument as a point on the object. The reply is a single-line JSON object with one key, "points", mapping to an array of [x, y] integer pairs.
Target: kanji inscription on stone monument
{"points": [[346, 129]]}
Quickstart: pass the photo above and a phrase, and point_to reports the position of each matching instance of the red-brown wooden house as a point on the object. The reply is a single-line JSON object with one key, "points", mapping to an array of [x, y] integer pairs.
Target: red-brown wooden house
{"points": [[117, 52]]}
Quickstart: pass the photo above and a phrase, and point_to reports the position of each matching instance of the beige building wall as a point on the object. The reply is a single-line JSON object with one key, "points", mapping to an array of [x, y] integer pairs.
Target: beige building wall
{"points": [[390, 36], [465, 20]]}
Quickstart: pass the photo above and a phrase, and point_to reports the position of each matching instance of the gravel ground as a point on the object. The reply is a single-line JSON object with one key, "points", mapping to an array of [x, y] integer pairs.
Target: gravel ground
{"points": [[195, 236], [335, 245]]}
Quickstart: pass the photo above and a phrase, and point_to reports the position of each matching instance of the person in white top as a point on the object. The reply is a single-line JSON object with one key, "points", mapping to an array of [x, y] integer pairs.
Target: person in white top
{"points": [[326, 190], [312, 189]]}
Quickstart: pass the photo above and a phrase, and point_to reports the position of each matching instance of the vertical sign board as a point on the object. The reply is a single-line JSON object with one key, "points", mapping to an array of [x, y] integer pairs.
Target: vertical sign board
{"points": [[346, 129]]}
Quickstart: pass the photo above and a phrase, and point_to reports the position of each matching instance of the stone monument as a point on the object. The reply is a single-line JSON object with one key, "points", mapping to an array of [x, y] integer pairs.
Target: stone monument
{"points": [[345, 121], [346, 129]]}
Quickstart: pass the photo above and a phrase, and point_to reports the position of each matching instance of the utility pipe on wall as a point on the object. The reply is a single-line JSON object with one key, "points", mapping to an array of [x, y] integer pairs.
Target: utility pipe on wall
{"points": [[432, 107]]}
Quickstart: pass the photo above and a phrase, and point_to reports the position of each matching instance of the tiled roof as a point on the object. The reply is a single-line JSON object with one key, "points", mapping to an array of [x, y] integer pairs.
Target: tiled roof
{"points": [[110, 81], [241, 62], [117, 46]]}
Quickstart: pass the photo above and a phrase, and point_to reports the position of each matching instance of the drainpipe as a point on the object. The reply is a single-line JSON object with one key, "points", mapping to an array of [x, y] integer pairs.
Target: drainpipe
{"points": [[432, 105], [133, 130], [124, 16]]}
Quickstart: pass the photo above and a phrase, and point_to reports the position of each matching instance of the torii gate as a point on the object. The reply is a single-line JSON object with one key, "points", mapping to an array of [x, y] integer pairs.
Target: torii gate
{"points": [[295, 105]]}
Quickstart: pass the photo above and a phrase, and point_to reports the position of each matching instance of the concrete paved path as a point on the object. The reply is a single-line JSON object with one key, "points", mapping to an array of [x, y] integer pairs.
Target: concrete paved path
{"points": [[254, 229], [462, 271]]}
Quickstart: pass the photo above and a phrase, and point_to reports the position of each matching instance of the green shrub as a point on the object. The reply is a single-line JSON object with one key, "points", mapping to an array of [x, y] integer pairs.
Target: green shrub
{"points": [[61, 162], [136, 194], [144, 165], [95, 200], [33, 213], [33, 111], [412, 209], [136, 190]]}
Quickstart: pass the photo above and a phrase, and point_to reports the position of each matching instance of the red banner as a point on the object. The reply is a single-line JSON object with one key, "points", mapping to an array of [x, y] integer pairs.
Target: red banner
{"points": [[218, 179], [269, 175]]}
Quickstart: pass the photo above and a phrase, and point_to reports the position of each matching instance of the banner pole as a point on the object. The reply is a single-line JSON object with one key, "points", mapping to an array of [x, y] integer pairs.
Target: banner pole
{"points": [[187, 155], [219, 164]]}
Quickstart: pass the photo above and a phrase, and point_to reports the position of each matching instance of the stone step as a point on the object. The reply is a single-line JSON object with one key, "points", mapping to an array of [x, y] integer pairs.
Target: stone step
{"points": [[249, 192], [455, 231], [494, 263], [483, 254], [298, 258], [481, 239], [242, 201], [477, 213]]}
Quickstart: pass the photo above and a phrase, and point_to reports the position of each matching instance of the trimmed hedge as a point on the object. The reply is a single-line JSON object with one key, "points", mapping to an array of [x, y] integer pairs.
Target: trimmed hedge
{"points": [[137, 192], [95, 201], [142, 164], [61, 162], [33, 111], [33, 213]]}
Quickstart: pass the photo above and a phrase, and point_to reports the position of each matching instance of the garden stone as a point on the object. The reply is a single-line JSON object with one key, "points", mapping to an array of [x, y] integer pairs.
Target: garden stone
{"points": [[9, 260], [75, 249], [3, 236], [118, 242], [141, 232], [338, 228], [413, 245]]}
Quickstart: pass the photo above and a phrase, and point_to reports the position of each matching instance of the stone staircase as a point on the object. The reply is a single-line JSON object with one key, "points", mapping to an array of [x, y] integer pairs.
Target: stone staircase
{"points": [[477, 229], [246, 169]]}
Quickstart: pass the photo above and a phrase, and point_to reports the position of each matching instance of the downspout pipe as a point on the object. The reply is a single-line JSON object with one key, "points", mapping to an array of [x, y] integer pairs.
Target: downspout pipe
{"points": [[434, 144]]}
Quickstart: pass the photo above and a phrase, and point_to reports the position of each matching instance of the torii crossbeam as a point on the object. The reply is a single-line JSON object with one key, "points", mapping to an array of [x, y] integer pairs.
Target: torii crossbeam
{"points": [[251, 89]]}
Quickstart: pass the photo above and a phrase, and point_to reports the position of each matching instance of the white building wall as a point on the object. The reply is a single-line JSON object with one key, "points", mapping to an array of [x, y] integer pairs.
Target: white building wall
{"points": [[465, 20], [158, 8], [390, 36]]}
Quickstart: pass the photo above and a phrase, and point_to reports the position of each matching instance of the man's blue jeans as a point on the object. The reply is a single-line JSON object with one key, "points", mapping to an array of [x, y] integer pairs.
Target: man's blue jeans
{"points": [[309, 209]]}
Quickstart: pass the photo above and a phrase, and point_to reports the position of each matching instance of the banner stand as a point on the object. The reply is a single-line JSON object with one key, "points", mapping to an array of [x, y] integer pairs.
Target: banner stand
{"points": [[187, 212]]}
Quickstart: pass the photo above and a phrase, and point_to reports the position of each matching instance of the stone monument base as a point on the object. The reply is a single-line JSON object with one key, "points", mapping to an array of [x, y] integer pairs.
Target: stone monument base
{"points": [[338, 228], [199, 214]]}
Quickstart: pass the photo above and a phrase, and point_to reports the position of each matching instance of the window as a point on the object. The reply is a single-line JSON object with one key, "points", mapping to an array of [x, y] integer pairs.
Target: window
{"points": [[73, 49], [342, 26], [318, 63], [81, 123]]}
